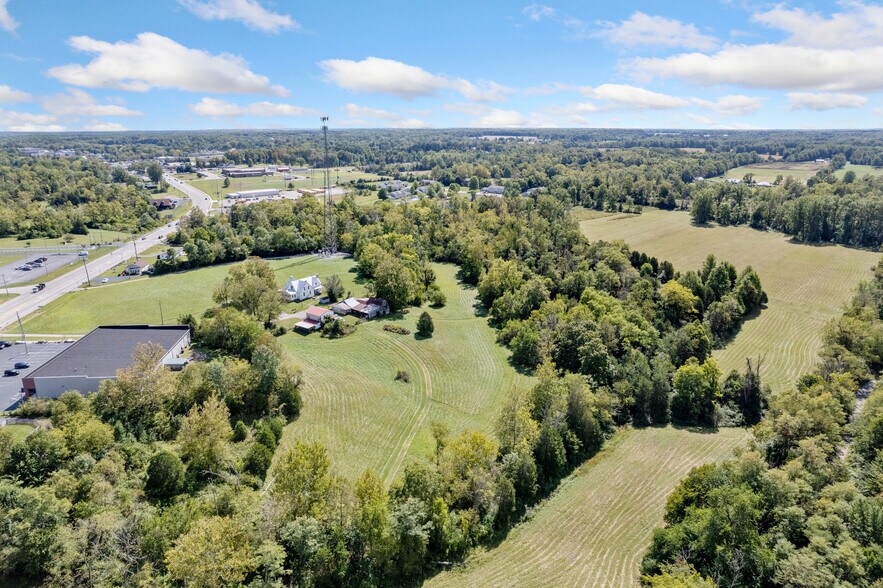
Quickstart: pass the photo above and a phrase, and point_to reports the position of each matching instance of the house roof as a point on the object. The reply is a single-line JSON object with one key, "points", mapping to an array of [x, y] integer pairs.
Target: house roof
{"points": [[104, 350], [139, 263], [317, 310]]}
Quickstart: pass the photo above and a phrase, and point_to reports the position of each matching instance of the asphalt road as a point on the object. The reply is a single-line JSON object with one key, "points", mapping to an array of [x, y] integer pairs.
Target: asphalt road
{"points": [[29, 302], [35, 354]]}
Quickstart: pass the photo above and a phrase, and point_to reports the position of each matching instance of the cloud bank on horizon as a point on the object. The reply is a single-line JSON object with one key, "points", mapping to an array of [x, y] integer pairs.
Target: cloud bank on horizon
{"points": [[247, 63]]}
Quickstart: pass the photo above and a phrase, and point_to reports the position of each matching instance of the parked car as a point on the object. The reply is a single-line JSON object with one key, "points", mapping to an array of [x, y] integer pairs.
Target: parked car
{"points": [[105, 280], [5, 344], [21, 365], [83, 253], [7, 373], [26, 268]]}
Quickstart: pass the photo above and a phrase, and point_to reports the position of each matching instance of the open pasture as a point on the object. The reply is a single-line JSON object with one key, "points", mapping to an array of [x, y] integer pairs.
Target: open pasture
{"points": [[806, 284], [352, 404], [593, 530], [139, 301], [860, 170], [769, 171]]}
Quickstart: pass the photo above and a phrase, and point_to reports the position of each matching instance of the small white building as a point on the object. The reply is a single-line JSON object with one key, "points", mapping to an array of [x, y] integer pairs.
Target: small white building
{"points": [[302, 288], [314, 319]]}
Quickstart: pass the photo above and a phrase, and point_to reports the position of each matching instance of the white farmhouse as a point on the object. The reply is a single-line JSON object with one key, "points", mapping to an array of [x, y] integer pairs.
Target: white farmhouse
{"points": [[301, 289]]}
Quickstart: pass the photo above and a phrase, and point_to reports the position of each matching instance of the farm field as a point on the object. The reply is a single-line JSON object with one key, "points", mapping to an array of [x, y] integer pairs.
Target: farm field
{"points": [[806, 284], [366, 419], [138, 301], [767, 172], [595, 528], [215, 188], [860, 170]]}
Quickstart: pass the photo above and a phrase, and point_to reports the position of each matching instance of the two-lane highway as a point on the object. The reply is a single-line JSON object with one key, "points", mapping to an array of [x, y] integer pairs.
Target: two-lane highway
{"points": [[27, 303]]}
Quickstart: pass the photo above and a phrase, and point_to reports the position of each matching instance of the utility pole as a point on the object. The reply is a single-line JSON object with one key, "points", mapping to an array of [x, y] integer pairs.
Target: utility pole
{"points": [[329, 228], [161, 319], [135, 246], [4, 285], [88, 281], [22, 331]]}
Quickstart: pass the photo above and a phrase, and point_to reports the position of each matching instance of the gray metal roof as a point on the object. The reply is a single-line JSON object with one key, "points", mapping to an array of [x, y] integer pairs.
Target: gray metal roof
{"points": [[104, 350]]}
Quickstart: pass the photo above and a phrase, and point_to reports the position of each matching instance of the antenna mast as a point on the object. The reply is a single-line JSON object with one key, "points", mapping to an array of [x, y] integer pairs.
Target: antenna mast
{"points": [[329, 228]]}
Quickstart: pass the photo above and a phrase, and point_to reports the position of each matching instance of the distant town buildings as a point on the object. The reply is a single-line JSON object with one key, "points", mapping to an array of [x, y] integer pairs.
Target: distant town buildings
{"points": [[252, 194]]}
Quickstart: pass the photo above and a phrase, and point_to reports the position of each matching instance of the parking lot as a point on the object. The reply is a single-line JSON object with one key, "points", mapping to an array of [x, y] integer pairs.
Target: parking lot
{"points": [[53, 261], [36, 354]]}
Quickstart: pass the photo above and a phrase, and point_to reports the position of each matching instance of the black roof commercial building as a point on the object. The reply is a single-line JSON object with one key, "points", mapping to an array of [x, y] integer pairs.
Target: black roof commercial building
{"points": [[98, 356]]}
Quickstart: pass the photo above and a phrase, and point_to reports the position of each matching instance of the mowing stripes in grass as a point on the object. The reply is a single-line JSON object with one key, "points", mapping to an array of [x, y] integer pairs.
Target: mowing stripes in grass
{"points": [[806, 284], [595, 528]]}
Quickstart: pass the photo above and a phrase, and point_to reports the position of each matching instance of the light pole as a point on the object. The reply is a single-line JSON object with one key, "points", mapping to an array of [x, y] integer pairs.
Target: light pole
{"points": [[4, 284]]}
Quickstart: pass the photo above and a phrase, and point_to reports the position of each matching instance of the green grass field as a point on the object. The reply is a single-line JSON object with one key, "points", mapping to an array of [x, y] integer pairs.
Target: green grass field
{"points": [[806, 284], [768, 172], [860, 170], [19, 432], [367, 420], [94, 237], [138, 301], [595, 528], [216, 189]]}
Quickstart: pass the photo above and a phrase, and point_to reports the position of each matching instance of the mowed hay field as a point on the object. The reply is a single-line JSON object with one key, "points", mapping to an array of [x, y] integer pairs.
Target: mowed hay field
{"points": [[594, 529], [353, 405], [768, 172], [138, 301], [807, 284]]}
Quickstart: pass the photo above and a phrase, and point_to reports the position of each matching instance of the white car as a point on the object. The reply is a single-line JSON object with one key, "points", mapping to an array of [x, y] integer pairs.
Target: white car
{"points": [[105, 280]]}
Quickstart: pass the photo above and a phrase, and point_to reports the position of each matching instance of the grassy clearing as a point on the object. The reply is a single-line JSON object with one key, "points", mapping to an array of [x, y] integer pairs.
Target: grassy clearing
{"points": [[768, 172], [580, 213], [366, 419], [806, 284], [595, 528], [860, 170], [19, 432], [138, 301], [313, 179], [93, 238]]}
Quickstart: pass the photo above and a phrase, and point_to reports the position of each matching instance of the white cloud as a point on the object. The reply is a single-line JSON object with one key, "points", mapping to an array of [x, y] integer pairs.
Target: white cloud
{"points": [[155, 61], [80, 103], [772, 66], [27, 122], [824, 101], [656, 31], [860, 26], [735, 104], [623, 95], [9, 95], [537, 12], [549, 88], [104, 126], [220, 108], [7, 23], [248, 12], [483, 91], [361, 115], [388, 76]]}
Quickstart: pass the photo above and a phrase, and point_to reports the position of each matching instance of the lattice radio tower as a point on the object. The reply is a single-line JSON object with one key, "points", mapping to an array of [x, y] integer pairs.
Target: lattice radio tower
{"points": [[329, 227]]}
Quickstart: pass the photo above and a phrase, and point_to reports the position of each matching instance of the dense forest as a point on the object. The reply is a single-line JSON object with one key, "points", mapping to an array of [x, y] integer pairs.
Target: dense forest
{"points": [[51, 197]]}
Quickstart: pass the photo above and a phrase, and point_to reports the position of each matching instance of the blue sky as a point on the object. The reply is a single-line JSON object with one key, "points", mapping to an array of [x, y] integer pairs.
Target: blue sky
{"points": [[199, 64]]}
